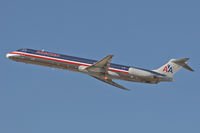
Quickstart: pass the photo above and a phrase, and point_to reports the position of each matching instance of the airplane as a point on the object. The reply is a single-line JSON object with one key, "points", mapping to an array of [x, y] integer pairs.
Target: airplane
{"points": [[103, 69]]}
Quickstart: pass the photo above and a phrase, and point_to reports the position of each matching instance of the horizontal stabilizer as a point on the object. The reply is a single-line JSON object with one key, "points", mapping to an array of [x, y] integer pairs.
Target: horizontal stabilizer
{"points": [[182, 62]]}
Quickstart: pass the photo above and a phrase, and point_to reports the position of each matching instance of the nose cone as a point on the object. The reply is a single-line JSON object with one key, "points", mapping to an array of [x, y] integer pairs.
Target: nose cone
{"points": [[8, 55]]}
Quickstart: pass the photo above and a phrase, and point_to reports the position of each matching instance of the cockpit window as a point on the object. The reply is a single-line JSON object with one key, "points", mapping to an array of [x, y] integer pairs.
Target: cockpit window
{"points": [[22, 50]]}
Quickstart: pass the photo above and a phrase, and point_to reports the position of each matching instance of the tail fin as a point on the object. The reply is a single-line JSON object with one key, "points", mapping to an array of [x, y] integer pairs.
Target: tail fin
{"points": [[173, 66]]}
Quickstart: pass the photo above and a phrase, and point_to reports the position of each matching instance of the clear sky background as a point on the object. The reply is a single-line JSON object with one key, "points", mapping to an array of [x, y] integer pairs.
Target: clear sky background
{"points": [[146, 34]]}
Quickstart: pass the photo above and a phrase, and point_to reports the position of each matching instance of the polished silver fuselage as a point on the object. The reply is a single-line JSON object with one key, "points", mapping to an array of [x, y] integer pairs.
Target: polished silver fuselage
{"points": [[129, 73]]}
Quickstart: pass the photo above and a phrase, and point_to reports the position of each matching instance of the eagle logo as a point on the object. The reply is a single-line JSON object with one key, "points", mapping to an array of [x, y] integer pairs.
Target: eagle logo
{"points": [[168, 68]]}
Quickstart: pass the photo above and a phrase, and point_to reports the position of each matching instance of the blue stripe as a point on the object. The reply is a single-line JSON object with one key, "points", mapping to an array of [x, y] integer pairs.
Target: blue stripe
{"points": [[83, 60], [72, 58]]}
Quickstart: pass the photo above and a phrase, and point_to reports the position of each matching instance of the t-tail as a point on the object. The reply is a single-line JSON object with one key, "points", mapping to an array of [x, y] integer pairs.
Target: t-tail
{"points": [[174, 66]]}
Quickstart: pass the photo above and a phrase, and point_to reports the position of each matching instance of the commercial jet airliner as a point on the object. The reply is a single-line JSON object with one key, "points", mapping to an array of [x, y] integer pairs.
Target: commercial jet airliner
{"points": [[103, 69]]}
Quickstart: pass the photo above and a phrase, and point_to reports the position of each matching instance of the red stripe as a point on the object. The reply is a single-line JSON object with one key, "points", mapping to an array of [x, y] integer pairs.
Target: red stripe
{"points": [[64, 61]]}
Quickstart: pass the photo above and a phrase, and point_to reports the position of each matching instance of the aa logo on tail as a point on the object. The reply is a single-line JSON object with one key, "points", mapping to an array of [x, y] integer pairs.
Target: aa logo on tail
{"points": [[168, 68]]}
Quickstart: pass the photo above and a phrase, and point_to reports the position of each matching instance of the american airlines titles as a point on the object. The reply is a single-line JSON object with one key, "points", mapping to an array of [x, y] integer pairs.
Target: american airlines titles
{"points": [[46, 53]]}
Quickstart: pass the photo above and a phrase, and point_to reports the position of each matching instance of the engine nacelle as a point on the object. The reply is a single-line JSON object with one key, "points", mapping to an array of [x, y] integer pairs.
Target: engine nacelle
{"points": [[82, 68], [113, 74], [138, 72]]}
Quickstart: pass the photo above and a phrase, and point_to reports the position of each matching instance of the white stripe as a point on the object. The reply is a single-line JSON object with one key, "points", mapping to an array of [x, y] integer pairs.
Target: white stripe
{"points": [[68, 61]]}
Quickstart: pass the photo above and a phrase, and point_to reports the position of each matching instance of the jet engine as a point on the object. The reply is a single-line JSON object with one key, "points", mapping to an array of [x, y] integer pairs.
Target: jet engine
{"points": [[82, 68], [138, 72]]}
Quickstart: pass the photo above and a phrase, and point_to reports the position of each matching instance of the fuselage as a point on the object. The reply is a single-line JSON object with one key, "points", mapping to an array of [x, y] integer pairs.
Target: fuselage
{"points": [[77, 64]]}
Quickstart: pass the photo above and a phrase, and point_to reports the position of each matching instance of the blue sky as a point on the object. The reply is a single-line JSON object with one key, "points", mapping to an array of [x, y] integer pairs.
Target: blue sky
{"points": [[145, 34]]}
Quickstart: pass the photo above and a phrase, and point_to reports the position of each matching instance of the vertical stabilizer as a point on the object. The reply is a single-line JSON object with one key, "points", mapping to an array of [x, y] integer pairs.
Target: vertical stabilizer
{"points": [[174, 66]]}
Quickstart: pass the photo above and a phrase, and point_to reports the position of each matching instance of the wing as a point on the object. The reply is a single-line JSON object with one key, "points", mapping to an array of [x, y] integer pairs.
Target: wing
{"points": [[102, 65], [109, 81]]}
